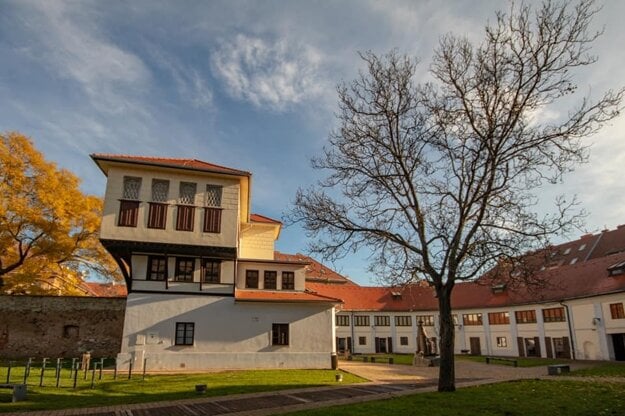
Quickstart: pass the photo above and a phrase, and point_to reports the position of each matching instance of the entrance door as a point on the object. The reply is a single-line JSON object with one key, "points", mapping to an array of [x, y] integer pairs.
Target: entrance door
{"points": [[618, 341], [390, 345], [380, 345], [341, 345], [475, 346]]}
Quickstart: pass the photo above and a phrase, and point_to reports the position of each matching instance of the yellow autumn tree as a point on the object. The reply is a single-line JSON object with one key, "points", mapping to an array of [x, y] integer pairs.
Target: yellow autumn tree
{"points": [[48, 227]]}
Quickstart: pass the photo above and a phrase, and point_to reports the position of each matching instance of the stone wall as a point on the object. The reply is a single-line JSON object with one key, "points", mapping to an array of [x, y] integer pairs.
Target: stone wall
{"points": [[60, 326]]}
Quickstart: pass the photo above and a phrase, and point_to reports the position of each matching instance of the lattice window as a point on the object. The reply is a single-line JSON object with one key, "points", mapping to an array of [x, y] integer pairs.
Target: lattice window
{"points": [[213, 196], [160, 190], [187, 193], [132, 186]]}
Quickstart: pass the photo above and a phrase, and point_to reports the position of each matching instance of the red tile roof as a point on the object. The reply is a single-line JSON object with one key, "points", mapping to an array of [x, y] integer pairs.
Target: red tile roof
{"points": [[315, 271], [281, 296], [105, 290], [262, 218], [188, 164], [583, 279]]}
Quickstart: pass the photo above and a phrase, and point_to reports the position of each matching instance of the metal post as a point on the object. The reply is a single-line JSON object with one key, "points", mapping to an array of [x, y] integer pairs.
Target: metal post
{"points": [[43, 370], [101, 367], [145, 363], [9, 372], [30, 363], [27, 371], [73, 367], [115, 370], [75, 374], [130, 369], [95, 366], [59, 366]]}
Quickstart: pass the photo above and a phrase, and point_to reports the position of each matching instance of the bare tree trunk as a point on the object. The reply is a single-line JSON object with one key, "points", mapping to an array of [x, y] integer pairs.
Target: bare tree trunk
{"points": [[446, 375]]}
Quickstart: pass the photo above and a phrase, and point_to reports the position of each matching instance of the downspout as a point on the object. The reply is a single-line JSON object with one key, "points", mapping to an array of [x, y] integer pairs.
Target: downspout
{"points": [[351, 324], [568, 321]]}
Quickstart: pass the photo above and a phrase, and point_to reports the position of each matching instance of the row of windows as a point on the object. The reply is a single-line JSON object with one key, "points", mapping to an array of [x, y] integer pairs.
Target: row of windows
{"points": [[384, 320], [185, 266], [160, 192], [270, 279], [185, 333]]}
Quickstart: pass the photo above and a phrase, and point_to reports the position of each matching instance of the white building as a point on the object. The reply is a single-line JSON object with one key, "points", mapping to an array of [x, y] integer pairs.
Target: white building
{"points": [[578, 314], [204, 287]]}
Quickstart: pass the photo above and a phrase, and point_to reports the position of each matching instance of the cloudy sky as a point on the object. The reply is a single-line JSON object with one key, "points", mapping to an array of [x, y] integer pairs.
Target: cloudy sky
{"points": [[246, 84]]}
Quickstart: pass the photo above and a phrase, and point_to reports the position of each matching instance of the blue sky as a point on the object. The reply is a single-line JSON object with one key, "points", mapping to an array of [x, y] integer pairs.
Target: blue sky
{"points": [[246, 84]]}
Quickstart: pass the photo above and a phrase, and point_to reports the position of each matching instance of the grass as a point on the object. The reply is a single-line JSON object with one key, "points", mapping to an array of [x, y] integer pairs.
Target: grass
{"points": [[609, 369], [521, 361], [404, 359], [155, 387], [533, 397]]}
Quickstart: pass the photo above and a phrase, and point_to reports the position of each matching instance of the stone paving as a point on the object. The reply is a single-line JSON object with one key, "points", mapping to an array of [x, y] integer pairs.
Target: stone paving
{"points": [[385, 381]]}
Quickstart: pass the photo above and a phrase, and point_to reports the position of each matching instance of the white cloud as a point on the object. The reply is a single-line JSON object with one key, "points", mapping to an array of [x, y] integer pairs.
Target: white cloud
{"points": [[273, 74], [74, 49]]}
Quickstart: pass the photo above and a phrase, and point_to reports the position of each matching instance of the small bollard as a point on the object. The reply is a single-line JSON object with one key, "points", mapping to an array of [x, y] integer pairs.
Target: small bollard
{"points": [[130, 369], [373, 359], [200, 388], [391, 360], [101, 367], [339, 377], [145, 364], [115, 370]]}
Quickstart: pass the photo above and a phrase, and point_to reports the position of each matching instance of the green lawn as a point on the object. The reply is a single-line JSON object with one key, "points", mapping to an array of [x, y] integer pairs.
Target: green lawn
{"points": [[404, 359], [155, 387], [521, 398], [521, 361], [611, 369]]}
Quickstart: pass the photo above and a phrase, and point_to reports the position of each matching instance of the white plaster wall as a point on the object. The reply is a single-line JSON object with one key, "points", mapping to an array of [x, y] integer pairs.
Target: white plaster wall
{"points": [[227, 334], [257, 241], [229, 217]]}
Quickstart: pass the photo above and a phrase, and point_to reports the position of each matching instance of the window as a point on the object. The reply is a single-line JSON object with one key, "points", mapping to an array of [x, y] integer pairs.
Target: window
{"points": [[403, 321], [270, 279], [280, 334], [361, 320], [616, 310], [213, 196], [157, 268], [184, 333], [403, 340], [382, 320], [251, 279], [472, 319], [132, 187], [554, 315], [186, 209], [525, 317], [128, 213], [426, 320], [184, 269], [502, 342], [288, 281], [362, 340], [498, 318], [342, 320], [212, 209], [157, 214], [211, 271]]}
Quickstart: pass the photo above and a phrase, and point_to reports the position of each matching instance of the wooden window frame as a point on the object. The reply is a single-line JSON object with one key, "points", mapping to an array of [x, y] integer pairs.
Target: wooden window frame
{"points": [[215, 270], [403, 341], [472, 319], [525, 317], [270, 280], [617, 311], [157, 215], [280, 334], [185, 333], [185, 217], [502, 342], [342, 320], [382, 320], [362, 340], [498, 318], [128, 213], [188, 278], [212, 220], [160, 275], [403, 320], [426, 320], [361, 320], [554, 314], [288, 281], [251, 276]]}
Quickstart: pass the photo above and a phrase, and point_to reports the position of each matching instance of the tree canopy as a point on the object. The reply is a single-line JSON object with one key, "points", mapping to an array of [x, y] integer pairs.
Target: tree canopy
{"points": [[48, 227], [439, 179]]}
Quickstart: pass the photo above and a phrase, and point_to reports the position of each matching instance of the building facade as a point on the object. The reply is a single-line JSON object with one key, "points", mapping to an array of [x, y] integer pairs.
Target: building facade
{"points": [[205, 289]]}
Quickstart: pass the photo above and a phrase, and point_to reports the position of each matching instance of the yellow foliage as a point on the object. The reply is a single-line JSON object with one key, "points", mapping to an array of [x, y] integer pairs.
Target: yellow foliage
{"points": [[48, 227]]}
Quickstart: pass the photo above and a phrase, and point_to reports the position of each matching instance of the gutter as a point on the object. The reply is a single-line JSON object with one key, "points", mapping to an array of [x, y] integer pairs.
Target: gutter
{"points": [[571, 335]]}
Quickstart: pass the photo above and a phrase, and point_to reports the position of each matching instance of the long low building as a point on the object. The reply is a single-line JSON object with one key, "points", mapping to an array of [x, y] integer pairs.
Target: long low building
{"points": [[577, 312]]}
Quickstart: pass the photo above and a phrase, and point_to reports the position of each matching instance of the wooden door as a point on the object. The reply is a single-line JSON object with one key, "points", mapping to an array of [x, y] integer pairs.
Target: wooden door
{"points": [[475, 346]]}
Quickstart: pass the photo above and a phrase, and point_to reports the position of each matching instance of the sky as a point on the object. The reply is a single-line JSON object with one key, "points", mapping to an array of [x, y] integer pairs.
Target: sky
{"points": [[249, 85]]}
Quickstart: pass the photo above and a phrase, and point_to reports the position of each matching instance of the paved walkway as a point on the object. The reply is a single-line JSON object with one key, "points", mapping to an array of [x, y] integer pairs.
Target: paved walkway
{"points": [[386, 381]]}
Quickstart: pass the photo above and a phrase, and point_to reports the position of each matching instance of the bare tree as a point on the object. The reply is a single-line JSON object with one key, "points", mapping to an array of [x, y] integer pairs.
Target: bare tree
{"points": [[439, 179]]}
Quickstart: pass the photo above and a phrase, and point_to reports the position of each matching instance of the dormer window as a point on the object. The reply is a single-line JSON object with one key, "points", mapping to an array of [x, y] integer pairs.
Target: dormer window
{"points": [[396, 295], [498, 288], [129, 204], [617, 269], [186, 207], [212, 210]]}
